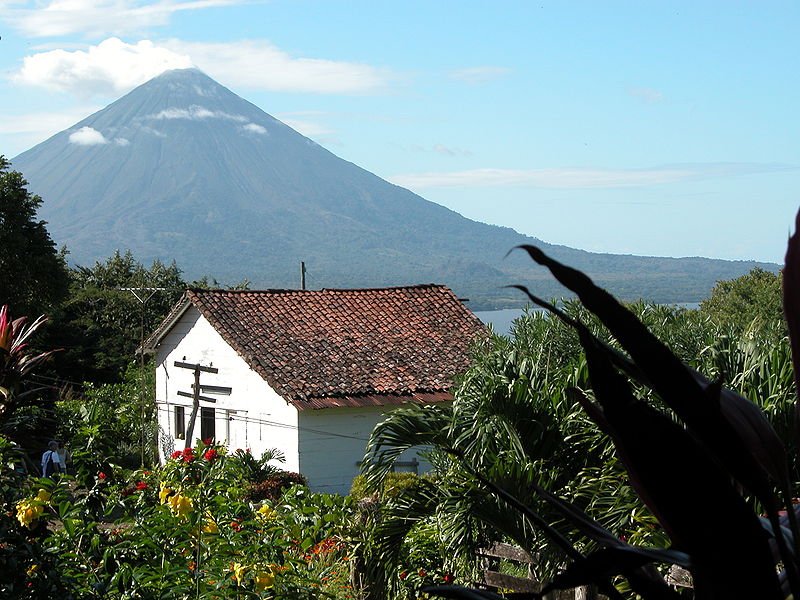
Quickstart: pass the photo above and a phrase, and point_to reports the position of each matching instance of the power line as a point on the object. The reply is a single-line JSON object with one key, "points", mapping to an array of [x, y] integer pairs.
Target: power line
{"points": [[256, 420], [59, 380]]}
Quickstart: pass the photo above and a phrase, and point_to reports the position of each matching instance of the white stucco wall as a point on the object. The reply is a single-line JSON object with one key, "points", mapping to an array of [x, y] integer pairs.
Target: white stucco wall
{"points": [[253, 416], [332, 444], [324, 445]]}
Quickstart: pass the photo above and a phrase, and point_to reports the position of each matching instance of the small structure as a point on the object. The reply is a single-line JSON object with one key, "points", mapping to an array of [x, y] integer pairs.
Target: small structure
{"points": [[307, 372]]}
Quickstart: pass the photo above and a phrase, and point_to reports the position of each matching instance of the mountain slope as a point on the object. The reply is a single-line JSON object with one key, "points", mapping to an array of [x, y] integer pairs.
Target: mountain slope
{"points": [[182, 168]]}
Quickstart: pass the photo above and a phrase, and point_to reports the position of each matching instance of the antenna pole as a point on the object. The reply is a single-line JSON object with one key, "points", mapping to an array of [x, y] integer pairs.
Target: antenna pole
{"points": [[302, 275]]}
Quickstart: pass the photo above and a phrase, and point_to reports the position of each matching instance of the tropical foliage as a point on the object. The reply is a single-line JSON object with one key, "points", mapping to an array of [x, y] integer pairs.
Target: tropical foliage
{"points": [[592, 444], [185, 530], [16, 361]]}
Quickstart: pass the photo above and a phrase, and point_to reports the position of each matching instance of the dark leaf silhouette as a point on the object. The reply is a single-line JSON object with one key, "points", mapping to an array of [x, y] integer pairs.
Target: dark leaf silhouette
{"points": [[735, 432]]}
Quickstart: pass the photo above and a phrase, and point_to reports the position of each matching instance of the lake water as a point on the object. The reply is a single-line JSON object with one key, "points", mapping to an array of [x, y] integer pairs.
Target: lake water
{"points": [[501, 320]]}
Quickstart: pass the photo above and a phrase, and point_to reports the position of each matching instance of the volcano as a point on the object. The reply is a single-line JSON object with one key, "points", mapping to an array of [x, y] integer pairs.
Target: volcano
{"points": [[183, 169]]}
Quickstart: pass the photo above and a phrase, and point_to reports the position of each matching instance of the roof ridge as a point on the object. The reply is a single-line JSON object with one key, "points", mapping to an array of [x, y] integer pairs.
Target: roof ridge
{"points": [[296, 291]]}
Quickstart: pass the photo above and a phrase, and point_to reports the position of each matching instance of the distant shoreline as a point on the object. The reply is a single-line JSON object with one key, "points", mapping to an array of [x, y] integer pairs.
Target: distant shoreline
{"points": [[502, 319]]}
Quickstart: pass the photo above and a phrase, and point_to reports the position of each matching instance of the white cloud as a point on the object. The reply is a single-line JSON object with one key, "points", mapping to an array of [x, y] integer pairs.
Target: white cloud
{"points": [[450, 151], [582, 178], [312, 129], [479, 75], [196, 113], [43, 125], [122, 142], [112, 67], [259, 64], [255, 128], [647, 95], [93, 18], [86, 136], [22, 131]]}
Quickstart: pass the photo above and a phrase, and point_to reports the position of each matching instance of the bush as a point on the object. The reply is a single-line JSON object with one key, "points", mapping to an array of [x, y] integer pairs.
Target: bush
{"points": [[273, 486], [393, 486]]}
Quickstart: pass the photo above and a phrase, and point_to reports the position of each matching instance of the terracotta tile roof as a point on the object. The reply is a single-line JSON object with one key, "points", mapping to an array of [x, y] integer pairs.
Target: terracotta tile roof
{"points": [[362, 347]]}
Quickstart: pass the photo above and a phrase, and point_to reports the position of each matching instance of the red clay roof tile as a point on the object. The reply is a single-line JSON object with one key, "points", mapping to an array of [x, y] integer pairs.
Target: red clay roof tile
{"points": [[360, 347]]}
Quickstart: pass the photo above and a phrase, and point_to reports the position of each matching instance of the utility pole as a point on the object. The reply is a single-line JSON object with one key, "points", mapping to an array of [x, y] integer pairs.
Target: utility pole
{"points": [[139, 294], [195, 395]]}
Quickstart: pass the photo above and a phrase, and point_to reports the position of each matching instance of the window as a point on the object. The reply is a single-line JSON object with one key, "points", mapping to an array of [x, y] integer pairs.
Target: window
{"points": [[180, 423], [207, 424], [406, 466]]}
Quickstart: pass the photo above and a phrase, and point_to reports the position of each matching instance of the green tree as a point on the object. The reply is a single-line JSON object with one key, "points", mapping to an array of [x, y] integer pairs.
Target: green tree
{"points": [[34, 274], [737, 302], [102, 322]]}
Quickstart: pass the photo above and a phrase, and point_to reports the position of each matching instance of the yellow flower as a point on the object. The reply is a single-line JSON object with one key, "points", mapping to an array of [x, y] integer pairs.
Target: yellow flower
{"points": [[266, 513], [32, 570], [238, 572], [43, 496], [210, 525], [28, 513], [180, 505], [164, 494], [264, 580]]}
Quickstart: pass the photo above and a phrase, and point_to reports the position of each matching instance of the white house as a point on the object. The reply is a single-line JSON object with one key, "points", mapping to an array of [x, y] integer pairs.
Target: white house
{"points": [[308, 372]]}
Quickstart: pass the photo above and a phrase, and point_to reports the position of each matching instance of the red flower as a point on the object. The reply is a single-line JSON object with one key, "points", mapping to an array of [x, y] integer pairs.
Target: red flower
{"points": [[236, 526], [146, 473], [188, 455], [176, 454], [141, 485], [210, 454], [422, 572], [403, 576], [101, 475], [449, 578], [207, 441]]}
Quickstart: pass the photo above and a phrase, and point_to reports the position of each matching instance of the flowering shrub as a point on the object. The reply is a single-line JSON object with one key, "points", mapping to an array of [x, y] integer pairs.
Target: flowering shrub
{"points": [[30, 509], [187, 529], [27, 569]]}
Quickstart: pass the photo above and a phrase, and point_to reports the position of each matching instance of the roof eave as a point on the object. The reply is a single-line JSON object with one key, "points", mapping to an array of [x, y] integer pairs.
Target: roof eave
{"points": [[155, 339]]}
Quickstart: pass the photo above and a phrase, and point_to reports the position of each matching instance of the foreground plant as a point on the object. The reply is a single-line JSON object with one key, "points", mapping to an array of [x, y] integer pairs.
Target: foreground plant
{"points": [[702, 458], [16, 359]]}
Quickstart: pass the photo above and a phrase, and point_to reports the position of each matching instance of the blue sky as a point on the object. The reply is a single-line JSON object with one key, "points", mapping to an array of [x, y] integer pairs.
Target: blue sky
{"points": [[658, 128]]}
